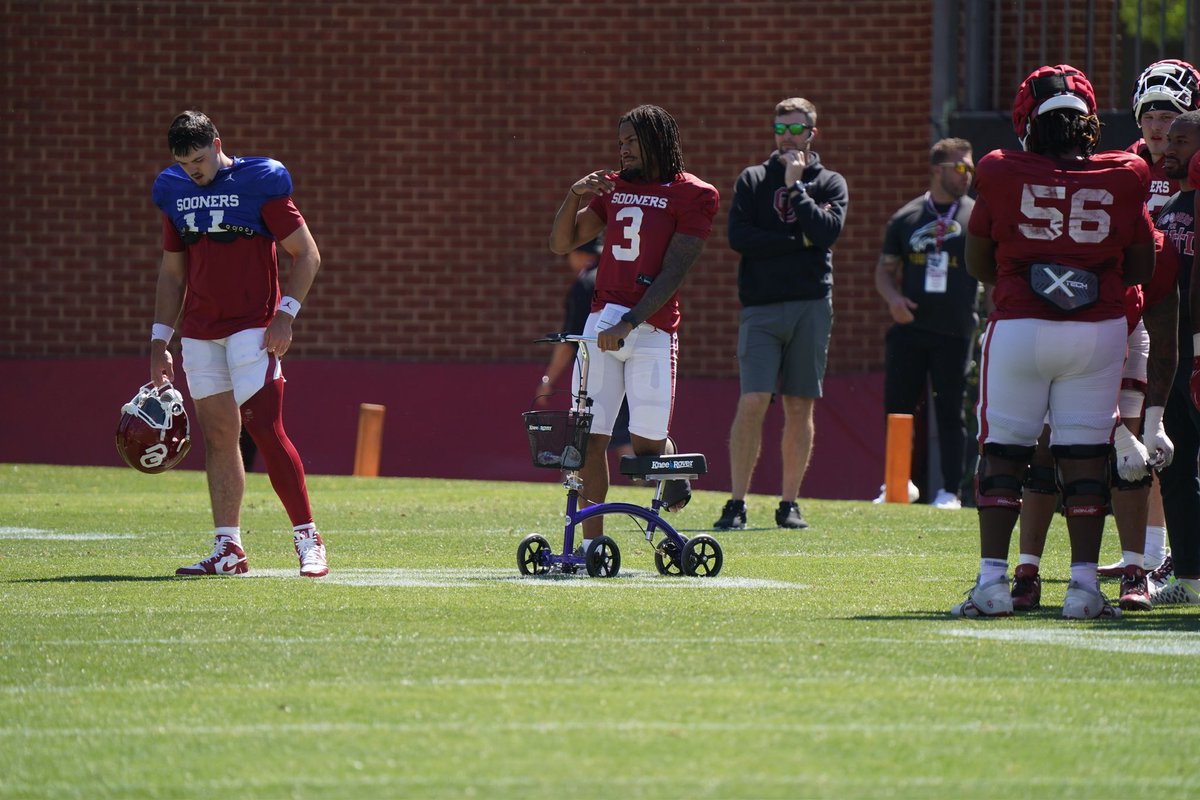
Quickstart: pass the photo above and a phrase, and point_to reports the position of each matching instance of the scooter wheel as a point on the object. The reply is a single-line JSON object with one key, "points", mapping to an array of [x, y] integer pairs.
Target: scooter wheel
{"points": [[667, 557], [530, 555], [604, 559], [702, 557]]}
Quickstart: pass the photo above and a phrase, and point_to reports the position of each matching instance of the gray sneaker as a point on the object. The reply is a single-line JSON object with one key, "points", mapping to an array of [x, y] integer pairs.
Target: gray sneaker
{"points": [[788, 516]]}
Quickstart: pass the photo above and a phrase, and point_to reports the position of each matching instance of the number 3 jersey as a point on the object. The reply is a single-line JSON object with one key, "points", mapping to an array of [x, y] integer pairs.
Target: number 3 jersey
{"points": [[640, 219], [228, 231], [1079, 214]]}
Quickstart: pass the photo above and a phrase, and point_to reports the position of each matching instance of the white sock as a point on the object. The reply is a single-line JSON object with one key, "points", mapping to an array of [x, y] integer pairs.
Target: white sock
{"points": [[1156, 545], [1131, 557], [991, 569], [1030, 558], [305, 528], [234, 533], [1084, 573]]}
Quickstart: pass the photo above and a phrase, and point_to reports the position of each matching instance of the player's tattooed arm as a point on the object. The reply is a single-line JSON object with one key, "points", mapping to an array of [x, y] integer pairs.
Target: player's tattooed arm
{"points": [[681, 254]]}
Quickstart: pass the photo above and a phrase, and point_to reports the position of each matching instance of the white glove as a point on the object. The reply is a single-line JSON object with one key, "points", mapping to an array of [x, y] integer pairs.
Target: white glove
{"points": [[1131, 455], [1154, 436]]}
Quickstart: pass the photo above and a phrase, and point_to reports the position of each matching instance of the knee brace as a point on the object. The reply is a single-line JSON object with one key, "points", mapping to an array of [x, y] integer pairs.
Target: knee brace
{"points": [[996, 486], [1074, 492], [1040, 479]]}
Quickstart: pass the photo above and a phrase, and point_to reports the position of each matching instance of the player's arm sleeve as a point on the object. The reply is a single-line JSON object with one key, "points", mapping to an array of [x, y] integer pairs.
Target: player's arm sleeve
{"points": [[282, 217], [746, 236]]}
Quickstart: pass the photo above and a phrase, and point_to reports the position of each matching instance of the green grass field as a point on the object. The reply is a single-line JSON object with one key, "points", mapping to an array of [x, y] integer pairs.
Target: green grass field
{"points": [[820, 663]]}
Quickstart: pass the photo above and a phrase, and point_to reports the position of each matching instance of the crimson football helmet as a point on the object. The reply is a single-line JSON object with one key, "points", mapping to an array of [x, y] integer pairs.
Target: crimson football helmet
{"points": [[153, 433], [1174, 83], [1048, 88]]}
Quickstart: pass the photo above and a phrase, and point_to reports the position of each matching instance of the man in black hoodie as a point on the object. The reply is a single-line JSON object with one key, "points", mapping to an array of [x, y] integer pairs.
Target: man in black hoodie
{"points": [[787, 213]]}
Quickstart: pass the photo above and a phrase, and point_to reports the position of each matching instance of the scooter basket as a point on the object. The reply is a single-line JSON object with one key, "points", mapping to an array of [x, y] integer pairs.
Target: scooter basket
{"points": [[558, 439]]}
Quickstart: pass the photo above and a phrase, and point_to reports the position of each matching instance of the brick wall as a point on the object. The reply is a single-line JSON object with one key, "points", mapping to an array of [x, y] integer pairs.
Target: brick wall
{"points": [[431, 144]]}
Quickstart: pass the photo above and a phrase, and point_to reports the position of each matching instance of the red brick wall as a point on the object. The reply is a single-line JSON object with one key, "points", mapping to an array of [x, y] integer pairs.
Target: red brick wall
{"points": [[431, 144]]}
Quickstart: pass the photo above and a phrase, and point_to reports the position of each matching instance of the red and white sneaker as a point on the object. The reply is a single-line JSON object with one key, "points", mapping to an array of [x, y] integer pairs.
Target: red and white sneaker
{"points": [[1135, 589], [1113, 570], [311, 550], [1026, 589], [228, 558]]}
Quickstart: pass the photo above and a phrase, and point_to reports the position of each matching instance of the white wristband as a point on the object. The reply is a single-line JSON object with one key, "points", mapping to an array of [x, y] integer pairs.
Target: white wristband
{"points": [[289, 305], [1195, 344], [161, 332]]}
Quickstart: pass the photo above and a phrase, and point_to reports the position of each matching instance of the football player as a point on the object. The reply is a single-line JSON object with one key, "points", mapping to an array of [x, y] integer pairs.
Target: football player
{"points": [[223, 217], [655, 218], [1181, 499], [1060, 231]]}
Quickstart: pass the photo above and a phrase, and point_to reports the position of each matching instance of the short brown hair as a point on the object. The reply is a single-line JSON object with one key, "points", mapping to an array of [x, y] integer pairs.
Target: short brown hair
{"points": [[794, 104], [943, 149]]}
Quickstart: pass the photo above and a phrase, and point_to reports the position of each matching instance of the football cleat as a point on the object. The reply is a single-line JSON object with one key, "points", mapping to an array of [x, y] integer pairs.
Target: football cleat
{"points": [[1135, 590], [228, 558], [1084, 602], [153, 432], [311, 550], [992, 600], [1174, 593], [1161, 574], [1026, 590], [1113, 570]]}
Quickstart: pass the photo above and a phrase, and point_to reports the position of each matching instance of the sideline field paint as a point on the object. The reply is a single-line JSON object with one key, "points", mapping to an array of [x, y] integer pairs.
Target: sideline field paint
{"points": [[1158, 643], [474, 578], [41, 533]]}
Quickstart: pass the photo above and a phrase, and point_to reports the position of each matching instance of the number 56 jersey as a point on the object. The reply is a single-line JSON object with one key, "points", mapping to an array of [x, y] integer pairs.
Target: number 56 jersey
{"points": [[1077, 213]]}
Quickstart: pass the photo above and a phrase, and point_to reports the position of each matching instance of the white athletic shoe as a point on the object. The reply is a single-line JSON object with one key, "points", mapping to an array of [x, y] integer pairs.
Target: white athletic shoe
{"points": [[945, 499], [1084, 602], [992, 600], [227, 558], [311, 550], [913, 494], [1173, 592]]}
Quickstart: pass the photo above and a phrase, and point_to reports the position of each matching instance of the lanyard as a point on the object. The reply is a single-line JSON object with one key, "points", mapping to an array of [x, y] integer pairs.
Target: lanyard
{"points": [[943, 222]]}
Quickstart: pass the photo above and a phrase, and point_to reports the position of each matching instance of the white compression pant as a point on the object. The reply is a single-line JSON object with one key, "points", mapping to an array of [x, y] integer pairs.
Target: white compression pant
{"points": [[642, 371]]}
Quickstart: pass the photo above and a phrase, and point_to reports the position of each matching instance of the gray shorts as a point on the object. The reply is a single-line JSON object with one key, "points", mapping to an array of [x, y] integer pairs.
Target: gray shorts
{"points": [[784, 347]]}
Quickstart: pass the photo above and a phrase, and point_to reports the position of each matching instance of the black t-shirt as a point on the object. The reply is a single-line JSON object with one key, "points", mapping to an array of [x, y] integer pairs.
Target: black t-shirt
{"points": [[1175, 220], [911, 234], [579, 301]]}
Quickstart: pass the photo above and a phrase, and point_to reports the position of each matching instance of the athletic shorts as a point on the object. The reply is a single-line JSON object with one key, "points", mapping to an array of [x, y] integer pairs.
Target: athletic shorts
{"points": [[785, 346], [237, 363], [1072, 369], [642, 372]]}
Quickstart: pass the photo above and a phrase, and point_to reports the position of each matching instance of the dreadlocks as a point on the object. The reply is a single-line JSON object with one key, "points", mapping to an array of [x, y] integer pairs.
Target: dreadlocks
{"points": [[659, 140], [1063, 131]]}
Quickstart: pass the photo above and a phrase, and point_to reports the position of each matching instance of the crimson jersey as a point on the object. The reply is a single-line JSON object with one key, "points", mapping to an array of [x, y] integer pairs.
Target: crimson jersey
{"points": [[1161, 187], [228, 230], [1076, 213], [640, 219]]}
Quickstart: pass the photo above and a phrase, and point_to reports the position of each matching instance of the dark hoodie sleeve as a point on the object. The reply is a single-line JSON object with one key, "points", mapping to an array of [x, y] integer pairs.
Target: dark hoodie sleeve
{"points": [[745, 235], [821, 209]]}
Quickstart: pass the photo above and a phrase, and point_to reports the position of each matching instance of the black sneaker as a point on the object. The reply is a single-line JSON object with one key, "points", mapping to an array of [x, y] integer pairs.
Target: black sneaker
{"points": [[788, 516], [733, 516]]}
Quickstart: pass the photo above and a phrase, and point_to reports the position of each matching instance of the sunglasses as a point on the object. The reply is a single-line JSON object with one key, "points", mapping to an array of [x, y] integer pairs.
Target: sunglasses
{"points": [[794, 128], [960, 167]]}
